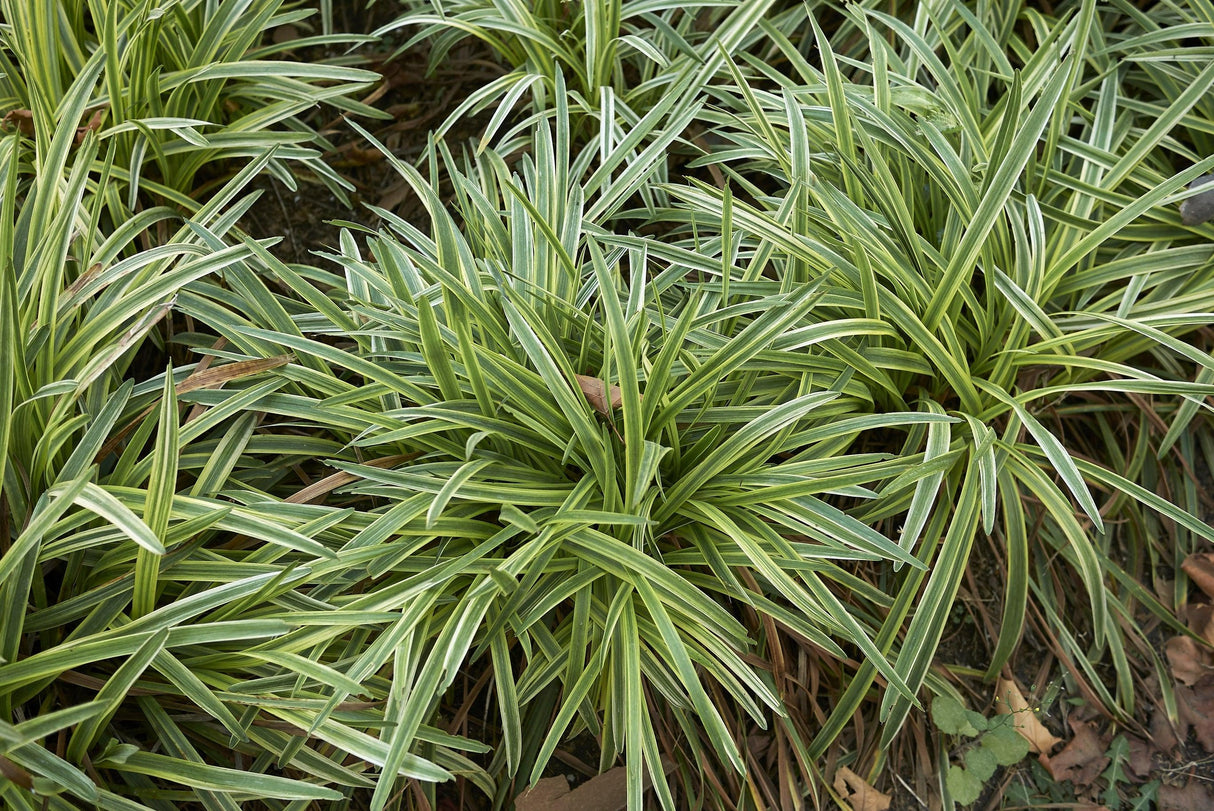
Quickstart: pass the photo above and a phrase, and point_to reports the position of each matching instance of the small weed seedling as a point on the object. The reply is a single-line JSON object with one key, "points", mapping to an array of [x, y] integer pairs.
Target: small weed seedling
{"points": [[993, 742]]}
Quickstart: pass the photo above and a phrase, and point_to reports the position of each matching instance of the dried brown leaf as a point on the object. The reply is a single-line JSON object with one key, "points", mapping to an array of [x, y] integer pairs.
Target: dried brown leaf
{"points": [[1009, 700], [602, 398], [330, 483], [394, 195], [543, 796], [1082, 760], [1200, 619], [858, 792], [285, 33], [1200, 569], [141, 328], [1163, 735], [1139, 764], [83, 279], [94, 124], [1189, 663], [363, 157], [1196, 710], [22, 120], [203, 378], [1163, 589], [1193, 796], [15, 773], [218, 375], [605, 792], [758, 745]]}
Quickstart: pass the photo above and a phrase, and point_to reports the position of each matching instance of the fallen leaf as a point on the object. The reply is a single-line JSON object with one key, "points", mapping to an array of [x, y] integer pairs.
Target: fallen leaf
{"points": [[94, 124], [203, 378], [1163, 589], [285, 33], [363, 157], [218, 375], [1139, 763], [543, 794], [606, 792], [1082, 760], [758, 745], [1200, 619], [22, 119], [394, 195], [1010, 701], [1193, 796], [331, 482], [1163, 736], [858, 792], [602, 398], [1196, 710], [1200, 569], [1189, 663]]}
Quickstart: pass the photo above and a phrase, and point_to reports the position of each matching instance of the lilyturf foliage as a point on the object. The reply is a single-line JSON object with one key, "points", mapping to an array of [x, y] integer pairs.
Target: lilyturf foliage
{"points": [[743, 335]]}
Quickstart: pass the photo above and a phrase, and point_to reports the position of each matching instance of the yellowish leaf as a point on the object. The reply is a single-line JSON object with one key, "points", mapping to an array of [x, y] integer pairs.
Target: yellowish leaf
{"points": [[1010, 701]]}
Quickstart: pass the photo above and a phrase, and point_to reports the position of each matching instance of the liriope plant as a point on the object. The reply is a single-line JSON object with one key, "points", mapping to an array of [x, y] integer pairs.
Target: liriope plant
{"points": [[124, 674], [960, 273], [179, 86], [592, 455], [586, 468], [612, 62], [1018, 235]]}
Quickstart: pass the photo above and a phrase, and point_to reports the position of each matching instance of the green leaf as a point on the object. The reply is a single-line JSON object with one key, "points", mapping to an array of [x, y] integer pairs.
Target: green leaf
{"points": [[981, 762], [220, 779], [1118, 754], [114, 692], [1006, 744], [159, 504], [980, 721], [1059, 457], [964, 787], [951, 717], [98, 501]]}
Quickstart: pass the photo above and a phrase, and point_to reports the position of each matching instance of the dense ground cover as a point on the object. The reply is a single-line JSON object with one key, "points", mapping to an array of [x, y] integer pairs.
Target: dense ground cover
{"points": [[699, 397]]}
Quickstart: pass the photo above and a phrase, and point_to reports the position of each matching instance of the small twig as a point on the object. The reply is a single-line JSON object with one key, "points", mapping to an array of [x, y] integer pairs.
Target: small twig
{"points": [[1192, 764], [906, 786]]}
